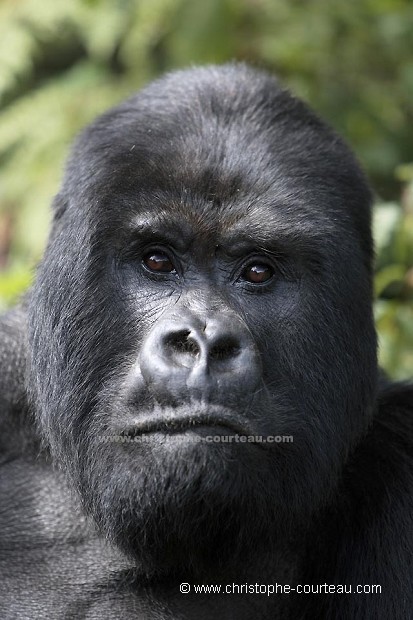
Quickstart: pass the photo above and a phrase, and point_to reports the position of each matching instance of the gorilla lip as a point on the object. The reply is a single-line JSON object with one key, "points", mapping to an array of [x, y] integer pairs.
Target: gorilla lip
{"points": [[179, 423]]}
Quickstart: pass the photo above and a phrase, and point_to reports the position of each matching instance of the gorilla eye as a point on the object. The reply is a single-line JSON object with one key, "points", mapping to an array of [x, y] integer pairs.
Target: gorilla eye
{"points": [[258, 273], [158, 262]]}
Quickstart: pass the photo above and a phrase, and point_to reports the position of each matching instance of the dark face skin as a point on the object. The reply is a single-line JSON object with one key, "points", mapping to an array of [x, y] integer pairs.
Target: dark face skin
{"points": [[211, 277]]}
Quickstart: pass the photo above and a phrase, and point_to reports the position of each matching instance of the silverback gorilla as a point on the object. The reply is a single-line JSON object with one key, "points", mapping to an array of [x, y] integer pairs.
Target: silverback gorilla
{"points": [[190, 392]]}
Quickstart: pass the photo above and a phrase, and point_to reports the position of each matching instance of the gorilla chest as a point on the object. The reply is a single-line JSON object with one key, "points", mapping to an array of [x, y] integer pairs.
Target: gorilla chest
{"points": [[54, 565]]}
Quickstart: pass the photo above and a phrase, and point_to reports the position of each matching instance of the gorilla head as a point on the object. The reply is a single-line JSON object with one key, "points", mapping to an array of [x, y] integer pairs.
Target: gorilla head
{"points": [[207, 279]]}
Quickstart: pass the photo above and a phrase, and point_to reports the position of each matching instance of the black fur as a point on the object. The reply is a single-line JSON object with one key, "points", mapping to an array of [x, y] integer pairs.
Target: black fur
{"points": [[222, 170]]}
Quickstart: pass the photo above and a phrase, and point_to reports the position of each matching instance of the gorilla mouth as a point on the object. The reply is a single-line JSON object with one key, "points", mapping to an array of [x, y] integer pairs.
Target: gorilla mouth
{"points": [[184, 422]]}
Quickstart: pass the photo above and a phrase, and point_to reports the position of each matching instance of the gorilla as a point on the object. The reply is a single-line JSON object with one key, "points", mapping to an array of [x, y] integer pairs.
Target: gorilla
{"points": [[193, 423]]}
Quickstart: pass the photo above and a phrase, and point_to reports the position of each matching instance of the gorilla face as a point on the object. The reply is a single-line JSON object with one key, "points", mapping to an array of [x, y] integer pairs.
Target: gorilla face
{"points": [[208, 275]]}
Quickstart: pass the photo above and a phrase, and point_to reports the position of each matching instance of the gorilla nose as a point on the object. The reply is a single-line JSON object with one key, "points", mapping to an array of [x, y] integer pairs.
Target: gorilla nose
{"points": [[190, 347], [189, 358]]}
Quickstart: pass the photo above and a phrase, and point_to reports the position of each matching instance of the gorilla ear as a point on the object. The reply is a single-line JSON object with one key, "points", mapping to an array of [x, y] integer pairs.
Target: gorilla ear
{"points": [[59, 206]]}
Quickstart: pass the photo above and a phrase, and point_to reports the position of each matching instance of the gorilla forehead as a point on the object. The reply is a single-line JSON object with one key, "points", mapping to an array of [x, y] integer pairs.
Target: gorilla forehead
{"points": [[239, 224], [225, 122], [224, 137]]}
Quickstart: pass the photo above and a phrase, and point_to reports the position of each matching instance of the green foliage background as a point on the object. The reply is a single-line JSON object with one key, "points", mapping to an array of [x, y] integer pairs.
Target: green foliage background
{"points": [[61, 63]]}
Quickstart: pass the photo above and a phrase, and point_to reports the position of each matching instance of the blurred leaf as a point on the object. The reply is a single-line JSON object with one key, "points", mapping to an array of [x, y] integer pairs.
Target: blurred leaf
{"points": [[386, 220], [393, 274], [12, 285]]}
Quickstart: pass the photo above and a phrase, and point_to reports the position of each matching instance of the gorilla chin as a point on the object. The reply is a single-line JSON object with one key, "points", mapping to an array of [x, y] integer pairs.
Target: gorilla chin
{"points": [[177, 488], [210, 484]]}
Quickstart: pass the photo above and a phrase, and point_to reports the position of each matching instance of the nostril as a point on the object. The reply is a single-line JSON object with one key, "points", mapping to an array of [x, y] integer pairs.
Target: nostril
{"points": [[182, 342], [225, 348]]}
